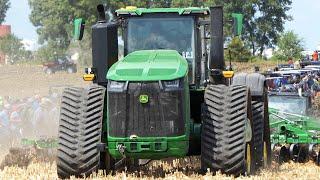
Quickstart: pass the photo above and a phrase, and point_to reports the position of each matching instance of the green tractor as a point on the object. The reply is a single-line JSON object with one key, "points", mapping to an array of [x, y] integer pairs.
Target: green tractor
{"points": [[169, 96]]}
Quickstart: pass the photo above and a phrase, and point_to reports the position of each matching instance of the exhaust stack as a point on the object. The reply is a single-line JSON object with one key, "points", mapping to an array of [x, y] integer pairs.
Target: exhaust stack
{"points": [[104, 46], [216, 61], [101, 13]]}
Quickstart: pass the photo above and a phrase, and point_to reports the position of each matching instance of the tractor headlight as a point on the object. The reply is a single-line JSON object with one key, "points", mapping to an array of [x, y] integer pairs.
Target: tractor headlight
{"points": [[173, 84], [117, 86]]}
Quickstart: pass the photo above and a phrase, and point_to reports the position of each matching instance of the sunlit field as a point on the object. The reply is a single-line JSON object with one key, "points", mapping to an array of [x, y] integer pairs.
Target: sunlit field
{"points": [[26, 80]]}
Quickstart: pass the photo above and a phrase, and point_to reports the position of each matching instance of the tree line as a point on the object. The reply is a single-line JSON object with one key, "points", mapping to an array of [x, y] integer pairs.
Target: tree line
{"points": [[263, 20]]}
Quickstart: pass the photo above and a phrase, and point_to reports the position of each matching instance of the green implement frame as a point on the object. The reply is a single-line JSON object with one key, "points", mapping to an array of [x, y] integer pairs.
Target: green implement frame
{"points": [[294, 137], [44, 143]]}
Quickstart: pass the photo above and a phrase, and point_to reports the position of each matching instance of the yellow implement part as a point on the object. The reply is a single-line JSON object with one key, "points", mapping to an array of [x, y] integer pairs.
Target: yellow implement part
{"points": [[130, 8], [228, 74], [248, 161], [265, 155], [88, 77]]}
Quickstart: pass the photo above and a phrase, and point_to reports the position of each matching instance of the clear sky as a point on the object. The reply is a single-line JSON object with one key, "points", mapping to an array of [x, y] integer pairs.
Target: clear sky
{"points": [[305, 21], [18, 18]]}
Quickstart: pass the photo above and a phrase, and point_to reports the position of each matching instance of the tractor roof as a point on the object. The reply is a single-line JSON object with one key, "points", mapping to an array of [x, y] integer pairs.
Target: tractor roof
{"points": [[134, 11]]}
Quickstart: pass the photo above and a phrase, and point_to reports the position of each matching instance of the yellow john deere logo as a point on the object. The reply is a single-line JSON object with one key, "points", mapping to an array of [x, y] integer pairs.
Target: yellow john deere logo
{"points": [[143, 99]]}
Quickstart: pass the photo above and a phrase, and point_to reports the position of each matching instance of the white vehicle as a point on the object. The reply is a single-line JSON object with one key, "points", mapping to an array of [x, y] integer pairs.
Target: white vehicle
{"points": [[312, 67], [286, 69]]}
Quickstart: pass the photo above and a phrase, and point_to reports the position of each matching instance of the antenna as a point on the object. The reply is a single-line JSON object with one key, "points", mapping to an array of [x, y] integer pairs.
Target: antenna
{"points": [[230, 65]]}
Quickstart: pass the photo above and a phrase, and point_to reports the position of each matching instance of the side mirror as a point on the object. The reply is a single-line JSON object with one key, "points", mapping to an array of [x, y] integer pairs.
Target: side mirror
{"points": [[237, 23], [79, 25]]}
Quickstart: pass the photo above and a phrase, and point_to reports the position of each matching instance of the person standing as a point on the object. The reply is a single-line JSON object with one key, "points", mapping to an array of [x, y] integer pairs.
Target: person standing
{"points": [[296, 65], [315, 56], [290, 61]]}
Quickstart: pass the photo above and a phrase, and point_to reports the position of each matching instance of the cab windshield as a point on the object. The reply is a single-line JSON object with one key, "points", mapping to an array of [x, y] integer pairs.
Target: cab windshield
{"points": [[174, 33], [161, 33], [289, 104]]}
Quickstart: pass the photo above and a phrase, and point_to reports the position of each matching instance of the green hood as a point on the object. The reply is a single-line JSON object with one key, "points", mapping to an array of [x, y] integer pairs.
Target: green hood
{"points": [[149, 65]]}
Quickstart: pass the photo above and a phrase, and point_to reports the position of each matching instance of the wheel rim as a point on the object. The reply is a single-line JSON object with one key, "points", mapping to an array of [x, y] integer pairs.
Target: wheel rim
{"points": [[265, 154], [248, 158]]}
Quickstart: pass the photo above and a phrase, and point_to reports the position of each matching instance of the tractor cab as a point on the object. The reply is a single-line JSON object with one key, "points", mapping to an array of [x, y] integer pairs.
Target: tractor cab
{"points": [[163, 29]]}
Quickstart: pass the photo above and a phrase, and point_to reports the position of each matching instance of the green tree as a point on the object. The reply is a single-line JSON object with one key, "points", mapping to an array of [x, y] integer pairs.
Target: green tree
{"points": [[48, 52], [4, 6], [182, 3], [12, 47], [290, 46], [270, 23], [237, 51], [263, 20], [53, 20]]}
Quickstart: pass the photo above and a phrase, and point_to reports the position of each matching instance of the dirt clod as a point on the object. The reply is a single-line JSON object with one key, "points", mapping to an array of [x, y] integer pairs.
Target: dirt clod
{"points": [[22, 157]]}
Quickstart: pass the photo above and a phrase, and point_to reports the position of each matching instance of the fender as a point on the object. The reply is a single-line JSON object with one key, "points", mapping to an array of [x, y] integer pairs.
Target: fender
{"points": [[254, 81]]}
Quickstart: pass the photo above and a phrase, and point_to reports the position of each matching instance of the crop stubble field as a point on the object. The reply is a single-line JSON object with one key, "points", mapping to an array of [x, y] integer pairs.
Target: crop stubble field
{"points": [[27, 80]]}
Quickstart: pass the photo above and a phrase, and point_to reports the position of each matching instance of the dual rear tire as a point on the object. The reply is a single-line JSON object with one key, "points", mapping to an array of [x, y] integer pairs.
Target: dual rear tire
{"points": [[262, 144], [226, 137], [235, 137]]}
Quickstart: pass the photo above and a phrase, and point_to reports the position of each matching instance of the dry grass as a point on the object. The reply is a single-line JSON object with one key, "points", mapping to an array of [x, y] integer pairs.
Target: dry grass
{"points": [[22, 81], [249, 67], [45, 170], [25, 81]]}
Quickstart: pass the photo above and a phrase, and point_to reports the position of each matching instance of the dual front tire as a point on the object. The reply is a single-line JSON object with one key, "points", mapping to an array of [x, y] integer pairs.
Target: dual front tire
{"points": [[80, 130]]}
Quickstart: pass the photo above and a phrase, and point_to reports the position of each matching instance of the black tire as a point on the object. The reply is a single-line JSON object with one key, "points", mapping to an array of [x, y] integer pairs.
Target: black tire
{"points": [[261, 132], [223, 137], [266, 134], [258, 126], [80, 129]]}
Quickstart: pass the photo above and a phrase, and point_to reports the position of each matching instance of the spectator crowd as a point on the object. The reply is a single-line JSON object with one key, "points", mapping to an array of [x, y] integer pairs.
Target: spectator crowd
{"points": [[31, 117]]}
